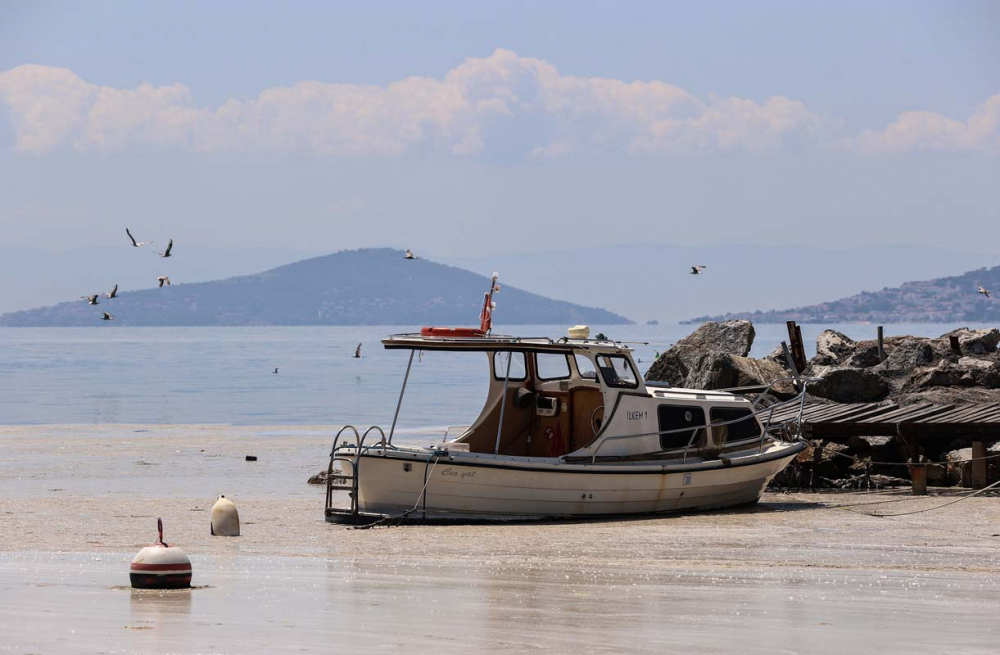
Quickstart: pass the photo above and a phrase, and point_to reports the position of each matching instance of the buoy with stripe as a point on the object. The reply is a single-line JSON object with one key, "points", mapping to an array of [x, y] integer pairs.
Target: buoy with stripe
{"points": [[160, 566], [225, 518]]}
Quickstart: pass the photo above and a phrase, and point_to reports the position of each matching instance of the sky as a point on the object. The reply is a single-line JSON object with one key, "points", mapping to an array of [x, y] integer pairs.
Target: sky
{"points": [[462, 129]]}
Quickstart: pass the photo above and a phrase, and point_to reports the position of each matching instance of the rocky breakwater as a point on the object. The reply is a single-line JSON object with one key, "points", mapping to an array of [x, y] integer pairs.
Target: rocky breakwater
{"points": [[913, 370]]}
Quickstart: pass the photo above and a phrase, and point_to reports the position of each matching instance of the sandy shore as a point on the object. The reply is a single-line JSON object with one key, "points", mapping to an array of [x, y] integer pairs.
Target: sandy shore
{"points": [[77, 502]]}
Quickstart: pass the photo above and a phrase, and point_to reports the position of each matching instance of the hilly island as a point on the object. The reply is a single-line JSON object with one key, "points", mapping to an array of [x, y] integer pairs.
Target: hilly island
{"points": [[351, 287], [941, 300]]}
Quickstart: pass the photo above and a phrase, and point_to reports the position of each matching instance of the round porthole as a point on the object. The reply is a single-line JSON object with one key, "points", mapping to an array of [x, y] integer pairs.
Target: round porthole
{"points": [[688, 416]]}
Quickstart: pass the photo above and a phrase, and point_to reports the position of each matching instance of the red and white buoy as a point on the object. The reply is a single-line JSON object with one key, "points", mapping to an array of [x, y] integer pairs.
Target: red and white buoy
{"points": [[160, 566]]}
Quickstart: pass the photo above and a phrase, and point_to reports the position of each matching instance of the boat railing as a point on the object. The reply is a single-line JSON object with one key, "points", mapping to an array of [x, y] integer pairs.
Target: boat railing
{"points": [[798, 399], [339, 455], [460, 429]]}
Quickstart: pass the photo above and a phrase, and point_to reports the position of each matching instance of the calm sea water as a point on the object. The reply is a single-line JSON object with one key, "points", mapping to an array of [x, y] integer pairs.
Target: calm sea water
{"points": [[225, 375]]}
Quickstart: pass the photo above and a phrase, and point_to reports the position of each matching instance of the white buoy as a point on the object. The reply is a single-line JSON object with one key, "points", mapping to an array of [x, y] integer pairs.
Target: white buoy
{"points": [[160, 566], [225, 518]]}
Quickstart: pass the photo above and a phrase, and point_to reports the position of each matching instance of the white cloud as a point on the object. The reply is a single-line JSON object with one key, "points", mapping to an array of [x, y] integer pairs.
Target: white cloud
{"points": [[477, 104], [916, 131]]}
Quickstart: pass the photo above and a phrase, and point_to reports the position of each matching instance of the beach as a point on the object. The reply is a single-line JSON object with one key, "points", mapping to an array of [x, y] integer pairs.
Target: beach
{"points": [[791, 574]]}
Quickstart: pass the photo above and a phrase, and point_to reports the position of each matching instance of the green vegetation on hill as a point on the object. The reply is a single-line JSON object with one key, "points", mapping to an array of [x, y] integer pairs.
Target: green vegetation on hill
{"points": [[352, 287], [942, 300]]}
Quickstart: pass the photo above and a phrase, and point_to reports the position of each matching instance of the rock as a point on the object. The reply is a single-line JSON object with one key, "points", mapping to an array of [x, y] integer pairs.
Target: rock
{"points": [[721, 371], [319, 478], [848, 385], [689, 354], [975, 342], [778, 357], [972, 362], [877, 481], [959, 470], [908, 354], [945, 374], [833, 347]]}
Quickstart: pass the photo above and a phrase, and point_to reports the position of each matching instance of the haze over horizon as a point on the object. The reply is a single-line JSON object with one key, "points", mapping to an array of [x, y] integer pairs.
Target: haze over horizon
{"points": [[503, 131]]}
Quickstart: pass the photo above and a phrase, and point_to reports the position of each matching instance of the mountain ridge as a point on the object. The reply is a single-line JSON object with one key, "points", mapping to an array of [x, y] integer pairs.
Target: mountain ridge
{"points": [[939, 300], [373, 286]]}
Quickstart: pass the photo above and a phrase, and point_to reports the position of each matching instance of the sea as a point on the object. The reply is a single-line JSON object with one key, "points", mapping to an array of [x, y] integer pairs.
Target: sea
{"points": [[226, 375]]}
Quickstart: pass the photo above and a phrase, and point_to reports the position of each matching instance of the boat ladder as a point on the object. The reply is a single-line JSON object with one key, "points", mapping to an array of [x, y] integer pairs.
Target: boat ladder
{"points": [[343, 471]]}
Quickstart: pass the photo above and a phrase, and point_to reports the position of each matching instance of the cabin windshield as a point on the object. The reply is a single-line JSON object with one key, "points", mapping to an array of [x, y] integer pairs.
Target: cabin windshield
{"points": [[550, 405]]}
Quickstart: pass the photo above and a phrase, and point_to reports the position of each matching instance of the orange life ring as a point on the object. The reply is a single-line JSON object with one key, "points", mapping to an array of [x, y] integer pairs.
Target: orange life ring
{"points": [[451, 332]]}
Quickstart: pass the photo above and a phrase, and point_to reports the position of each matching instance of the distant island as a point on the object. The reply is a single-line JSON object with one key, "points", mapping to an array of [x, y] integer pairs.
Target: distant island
{"points": [[941, 300], [351, 287]]}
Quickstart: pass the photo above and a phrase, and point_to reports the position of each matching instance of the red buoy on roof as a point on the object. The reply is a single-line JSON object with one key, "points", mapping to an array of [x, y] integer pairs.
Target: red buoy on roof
{"points": [[451, 332], [160, 566], [485, 319]]}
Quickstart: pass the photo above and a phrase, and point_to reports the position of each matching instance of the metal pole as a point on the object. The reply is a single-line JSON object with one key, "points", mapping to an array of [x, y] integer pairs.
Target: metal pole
{"points": [[503, 401], [399, 404]]}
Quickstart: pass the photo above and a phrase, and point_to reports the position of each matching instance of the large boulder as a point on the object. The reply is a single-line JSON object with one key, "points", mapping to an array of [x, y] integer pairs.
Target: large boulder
{"points": [[975, 342], [945, 374], [848, 385], [833, 347], [689, 354], [908, 354], [732, 337], [714, 370]]}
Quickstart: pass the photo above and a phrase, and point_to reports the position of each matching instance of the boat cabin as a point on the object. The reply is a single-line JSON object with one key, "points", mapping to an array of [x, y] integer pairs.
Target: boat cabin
{"points": [[585, 398]]}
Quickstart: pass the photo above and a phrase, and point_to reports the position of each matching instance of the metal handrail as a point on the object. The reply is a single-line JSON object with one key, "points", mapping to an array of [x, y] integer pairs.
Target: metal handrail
{"points": [[382, 442], [357, 436], [448, 430], [799, 398]]}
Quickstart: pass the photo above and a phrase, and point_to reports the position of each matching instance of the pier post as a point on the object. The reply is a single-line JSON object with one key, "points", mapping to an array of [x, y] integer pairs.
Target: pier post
{"points": [[881, 345], [956, 347], [918, 476], [978, 464]]}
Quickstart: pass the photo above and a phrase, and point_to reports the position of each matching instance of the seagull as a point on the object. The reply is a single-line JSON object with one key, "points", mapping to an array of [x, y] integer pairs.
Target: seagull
{"points": [[170, 244], [136, 244], [357, 353], [163, 279], [92, 300], [113, 294], [107, 317], [276, 371], [985, 292], [696, 270], [410, 255]]}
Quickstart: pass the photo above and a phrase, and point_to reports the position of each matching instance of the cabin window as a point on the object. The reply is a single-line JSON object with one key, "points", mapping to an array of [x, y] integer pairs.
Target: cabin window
{"points": [[551, 366], [675, 417], [617, 371], [517, 368], [744, 429], [585, 366]]}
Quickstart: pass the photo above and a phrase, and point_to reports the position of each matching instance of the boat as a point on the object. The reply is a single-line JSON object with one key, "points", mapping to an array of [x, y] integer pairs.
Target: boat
{"points": [[569, 430]]}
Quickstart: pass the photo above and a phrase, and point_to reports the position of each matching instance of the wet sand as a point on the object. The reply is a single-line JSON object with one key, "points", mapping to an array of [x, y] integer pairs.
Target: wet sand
{"points": [[791, 574]]}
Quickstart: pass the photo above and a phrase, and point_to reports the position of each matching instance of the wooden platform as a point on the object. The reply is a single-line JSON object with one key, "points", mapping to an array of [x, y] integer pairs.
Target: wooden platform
{"points": [[877, 419], [912, 424]]}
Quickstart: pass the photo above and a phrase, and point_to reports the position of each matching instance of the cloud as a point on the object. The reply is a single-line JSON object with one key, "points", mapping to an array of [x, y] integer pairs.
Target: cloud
{"points": [[926, 131], [479, 105]]}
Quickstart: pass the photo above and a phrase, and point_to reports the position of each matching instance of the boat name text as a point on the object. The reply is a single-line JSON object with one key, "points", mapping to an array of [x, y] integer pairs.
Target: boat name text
{"points": [[452, 473], [636, 414]]}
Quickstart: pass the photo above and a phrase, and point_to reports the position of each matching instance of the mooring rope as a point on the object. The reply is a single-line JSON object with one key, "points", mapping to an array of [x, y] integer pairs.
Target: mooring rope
{"points": [[393, 521]]}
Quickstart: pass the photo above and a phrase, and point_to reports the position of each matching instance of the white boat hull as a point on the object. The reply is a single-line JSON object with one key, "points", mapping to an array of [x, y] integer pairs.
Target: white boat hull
{"points": [[417, 485]]}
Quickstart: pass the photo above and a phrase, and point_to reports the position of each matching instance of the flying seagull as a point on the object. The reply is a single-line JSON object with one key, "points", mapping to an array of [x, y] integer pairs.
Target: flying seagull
{"points": [[92, 300], [113, 294], [107, 317], [170, 244], [163, 279], [410, 255], [136, 244], [357, 353], [985, 292], [696, 270]]}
